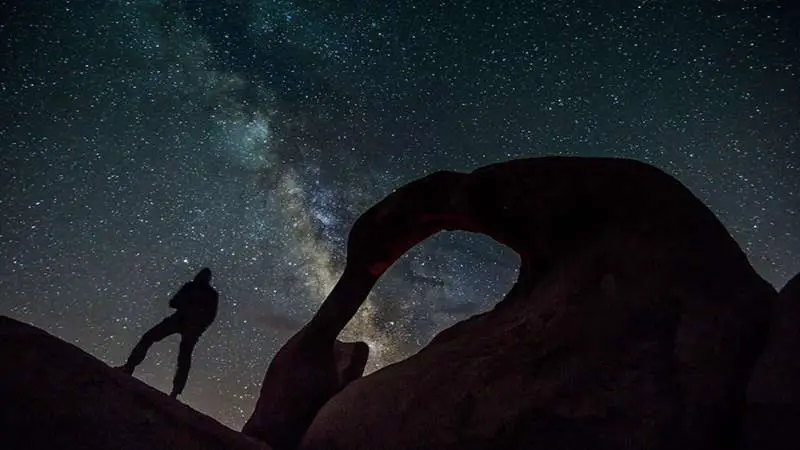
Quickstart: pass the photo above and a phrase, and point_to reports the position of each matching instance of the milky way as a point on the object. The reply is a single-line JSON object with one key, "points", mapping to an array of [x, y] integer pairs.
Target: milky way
{"points": [[143, 140]]}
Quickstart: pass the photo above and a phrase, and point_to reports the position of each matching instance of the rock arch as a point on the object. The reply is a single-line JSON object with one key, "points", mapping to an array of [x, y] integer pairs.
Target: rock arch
{"points": [[560, 215]]}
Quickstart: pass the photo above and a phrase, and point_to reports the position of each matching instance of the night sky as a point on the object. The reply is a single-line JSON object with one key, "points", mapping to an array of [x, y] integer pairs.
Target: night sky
{"points": [[143, 140]]}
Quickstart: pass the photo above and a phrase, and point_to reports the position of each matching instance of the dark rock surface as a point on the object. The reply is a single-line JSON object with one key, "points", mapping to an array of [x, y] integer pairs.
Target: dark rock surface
{"points": [[55, 396], [773, 399], [283, 411], [635, 321]]}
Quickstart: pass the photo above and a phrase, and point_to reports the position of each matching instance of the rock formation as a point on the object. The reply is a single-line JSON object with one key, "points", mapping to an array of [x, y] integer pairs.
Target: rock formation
{"points": [[296, 389], [773, 397], [55, 396], [634, 323]]}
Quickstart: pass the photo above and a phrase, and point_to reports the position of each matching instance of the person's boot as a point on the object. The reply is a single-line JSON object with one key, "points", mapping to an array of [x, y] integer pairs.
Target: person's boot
{"points": [[127, 368], [174, 393]]}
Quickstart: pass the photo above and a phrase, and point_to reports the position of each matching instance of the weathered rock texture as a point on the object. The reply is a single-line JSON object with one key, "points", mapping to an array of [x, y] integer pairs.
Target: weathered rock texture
{"points": [[55, 396], [773, 400], [634, 323]]}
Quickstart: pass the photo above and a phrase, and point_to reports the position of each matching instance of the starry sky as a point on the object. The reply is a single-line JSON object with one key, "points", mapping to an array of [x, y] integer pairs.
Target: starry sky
{"points": [[143, 140]]}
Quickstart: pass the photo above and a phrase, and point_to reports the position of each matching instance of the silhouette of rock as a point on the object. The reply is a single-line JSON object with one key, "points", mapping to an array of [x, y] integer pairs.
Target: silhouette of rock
{"points": [[634, 323], [773, 398], [293, 390], [55, 396]]}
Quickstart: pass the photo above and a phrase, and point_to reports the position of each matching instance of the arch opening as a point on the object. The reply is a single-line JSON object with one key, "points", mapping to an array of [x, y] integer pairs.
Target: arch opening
{"points": [[443, 280]]}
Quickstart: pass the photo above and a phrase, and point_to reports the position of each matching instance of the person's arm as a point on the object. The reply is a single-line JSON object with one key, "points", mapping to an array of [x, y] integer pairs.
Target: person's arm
{"points": [[179, 299]]}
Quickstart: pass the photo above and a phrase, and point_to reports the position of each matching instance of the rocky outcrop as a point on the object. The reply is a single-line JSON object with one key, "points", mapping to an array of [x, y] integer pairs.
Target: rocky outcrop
{"points": [[773, 398], [634, 323], [55, 396], [285, 408]]}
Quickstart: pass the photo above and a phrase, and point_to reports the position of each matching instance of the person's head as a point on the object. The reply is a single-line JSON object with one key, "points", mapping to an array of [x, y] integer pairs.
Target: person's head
{"points": [[204, 276]]}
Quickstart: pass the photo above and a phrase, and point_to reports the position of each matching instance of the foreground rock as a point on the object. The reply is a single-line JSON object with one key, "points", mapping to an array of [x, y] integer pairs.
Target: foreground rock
{"points": [[285, 407], [55, 396], [634, 323], [773, 403]]}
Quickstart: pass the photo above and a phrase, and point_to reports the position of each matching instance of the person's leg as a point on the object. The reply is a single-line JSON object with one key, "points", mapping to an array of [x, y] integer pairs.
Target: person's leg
{"points": [[188, 342], [163, 329]]}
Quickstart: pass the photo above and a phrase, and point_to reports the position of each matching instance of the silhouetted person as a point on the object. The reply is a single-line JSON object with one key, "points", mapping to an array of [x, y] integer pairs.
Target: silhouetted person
{"points": [[196, 307]]}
